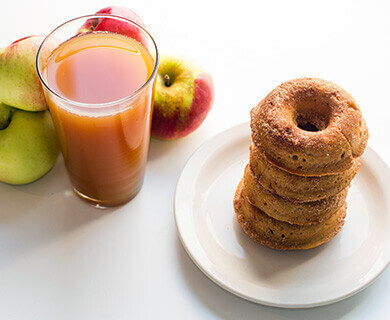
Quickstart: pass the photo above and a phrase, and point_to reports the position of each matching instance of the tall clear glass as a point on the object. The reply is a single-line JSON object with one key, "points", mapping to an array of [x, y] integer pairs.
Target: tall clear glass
{"points": [[104, 145]]}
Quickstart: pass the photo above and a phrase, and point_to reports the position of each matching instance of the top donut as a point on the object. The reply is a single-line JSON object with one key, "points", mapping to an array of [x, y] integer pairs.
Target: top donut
{"points": [[309, 127]]}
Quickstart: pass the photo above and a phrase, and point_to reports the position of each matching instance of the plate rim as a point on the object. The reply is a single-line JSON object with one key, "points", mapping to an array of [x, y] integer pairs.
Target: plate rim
{"points": [[212, 276]]}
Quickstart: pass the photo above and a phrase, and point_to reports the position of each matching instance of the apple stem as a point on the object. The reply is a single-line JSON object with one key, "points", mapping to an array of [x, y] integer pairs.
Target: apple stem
{"points": [[167, 80]]}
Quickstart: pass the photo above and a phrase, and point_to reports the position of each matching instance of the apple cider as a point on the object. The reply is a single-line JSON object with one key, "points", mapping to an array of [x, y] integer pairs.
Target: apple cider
{"points": [[103, 119]]}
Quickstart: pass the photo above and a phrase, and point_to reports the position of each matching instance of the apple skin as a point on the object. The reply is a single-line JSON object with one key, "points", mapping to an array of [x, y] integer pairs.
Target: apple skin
{"points": [[181, 107], [20, 85], [29, 145], [120, 27]]}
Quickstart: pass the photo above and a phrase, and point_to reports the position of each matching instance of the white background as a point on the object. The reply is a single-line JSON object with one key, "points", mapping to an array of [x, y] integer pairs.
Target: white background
{"points": [[74, 263]]}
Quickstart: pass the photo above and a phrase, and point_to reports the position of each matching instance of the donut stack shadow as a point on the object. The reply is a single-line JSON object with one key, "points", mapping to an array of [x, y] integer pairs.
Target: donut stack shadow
{"points": [[308, 136]]}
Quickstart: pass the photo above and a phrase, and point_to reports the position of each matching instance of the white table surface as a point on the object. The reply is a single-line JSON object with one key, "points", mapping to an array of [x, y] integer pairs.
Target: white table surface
{"points": [[131, 265]]}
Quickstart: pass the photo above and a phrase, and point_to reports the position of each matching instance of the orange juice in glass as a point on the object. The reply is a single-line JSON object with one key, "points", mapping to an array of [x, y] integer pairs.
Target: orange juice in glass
{"points": [[99, 87]]}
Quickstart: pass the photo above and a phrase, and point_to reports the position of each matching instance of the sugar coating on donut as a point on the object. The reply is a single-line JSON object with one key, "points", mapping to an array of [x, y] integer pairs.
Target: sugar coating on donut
{"points": [[299, 187], [279, 208], [282, 235], [309, 127]]}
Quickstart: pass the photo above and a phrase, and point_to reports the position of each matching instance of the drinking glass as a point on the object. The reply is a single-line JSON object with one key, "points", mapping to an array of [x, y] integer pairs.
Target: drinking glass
{"points": [[104, 145]]}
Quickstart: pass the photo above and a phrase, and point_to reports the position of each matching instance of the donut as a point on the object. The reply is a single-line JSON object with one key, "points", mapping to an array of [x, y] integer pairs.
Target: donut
{"points": [[297, 187], [309, 127], [301, 213], [282, 235]]}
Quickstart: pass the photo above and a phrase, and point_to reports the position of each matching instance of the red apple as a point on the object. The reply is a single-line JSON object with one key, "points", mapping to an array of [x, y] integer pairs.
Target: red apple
{"points": [[116, 26], [184, 95]]}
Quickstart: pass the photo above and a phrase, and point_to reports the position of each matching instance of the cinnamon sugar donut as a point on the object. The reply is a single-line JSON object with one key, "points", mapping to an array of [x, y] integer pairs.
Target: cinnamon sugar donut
{"points": [[297, 187], [279, 208], [282, 235], [309, 127]]}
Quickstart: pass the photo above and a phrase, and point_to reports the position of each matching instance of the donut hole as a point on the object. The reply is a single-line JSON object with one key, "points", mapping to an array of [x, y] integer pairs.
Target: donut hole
{"points": [[312, 114], [305, 125]]}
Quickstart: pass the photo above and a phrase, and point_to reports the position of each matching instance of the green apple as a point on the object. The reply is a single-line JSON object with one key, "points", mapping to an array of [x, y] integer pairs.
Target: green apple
{"points": [[28, 145], [20, 86]]}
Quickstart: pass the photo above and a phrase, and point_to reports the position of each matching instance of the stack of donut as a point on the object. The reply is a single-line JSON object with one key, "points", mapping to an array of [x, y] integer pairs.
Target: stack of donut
{"points": [[307, 139]]}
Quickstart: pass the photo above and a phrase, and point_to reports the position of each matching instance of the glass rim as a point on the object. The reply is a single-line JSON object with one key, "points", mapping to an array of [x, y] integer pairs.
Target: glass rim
{"points": [[105, 104]]}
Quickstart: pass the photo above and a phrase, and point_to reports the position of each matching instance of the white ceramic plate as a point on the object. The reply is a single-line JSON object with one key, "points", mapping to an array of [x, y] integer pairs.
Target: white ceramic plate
{"points": [[293, 279]]}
